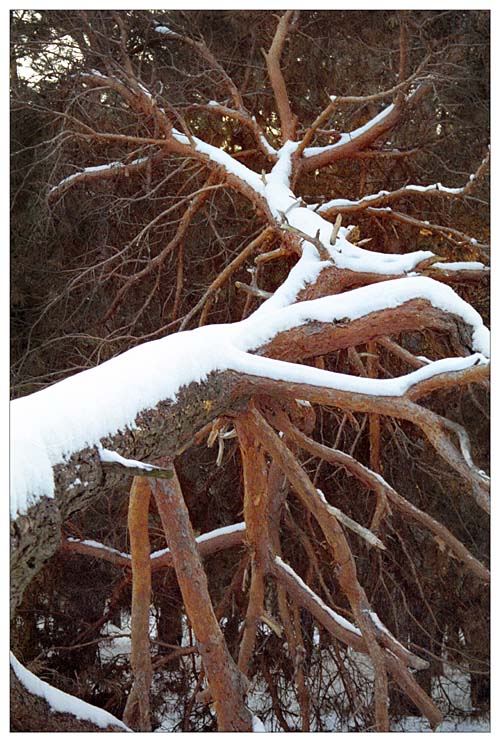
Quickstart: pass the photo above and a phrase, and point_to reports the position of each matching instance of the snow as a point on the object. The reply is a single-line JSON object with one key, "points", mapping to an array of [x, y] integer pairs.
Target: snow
{"points": [[343, 203], [113, 457], [165, 30], [378, 623], [433, 187], [461, 266], [360, 302], [224, 530], [235, 527], [269, 149], [97, 169], [350, 136], [217, 532], [257, 725], [62, 702], [99, 545], [145, 90], [223, 158], [114, 645], [275, 188], [298, 374], [107, 399], [304, 272], [336, 616], [419, 724]]}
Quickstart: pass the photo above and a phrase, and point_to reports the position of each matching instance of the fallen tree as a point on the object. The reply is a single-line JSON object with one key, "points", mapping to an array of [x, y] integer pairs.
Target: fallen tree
{"points": [[262, 379]]}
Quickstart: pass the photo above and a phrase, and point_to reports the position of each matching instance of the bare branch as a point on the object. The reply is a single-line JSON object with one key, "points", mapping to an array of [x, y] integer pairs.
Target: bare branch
{"points": [[273, 56]]}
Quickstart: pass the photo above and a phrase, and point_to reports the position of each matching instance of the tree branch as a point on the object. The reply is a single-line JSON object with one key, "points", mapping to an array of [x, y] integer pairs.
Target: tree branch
{"points": [[287, 119]]}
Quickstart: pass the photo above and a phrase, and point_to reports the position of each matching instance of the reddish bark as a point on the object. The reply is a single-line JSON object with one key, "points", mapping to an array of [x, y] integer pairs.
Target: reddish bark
{"points": [[227, 684], [137, 711]]}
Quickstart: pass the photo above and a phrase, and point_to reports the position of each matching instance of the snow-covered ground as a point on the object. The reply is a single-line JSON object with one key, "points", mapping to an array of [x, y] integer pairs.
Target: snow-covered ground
{"points": [[453, 688]]}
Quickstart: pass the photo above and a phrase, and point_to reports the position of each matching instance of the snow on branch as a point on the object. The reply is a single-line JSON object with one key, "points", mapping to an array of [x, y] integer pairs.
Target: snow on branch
{"points": [[108, 398], [379, 485], [244, 118], [97, 172], [63, 703], [451, 234], [272, 192], [353, 525], [435, 189], [351, 142], [342, 622], [138, 468], [208, 543], [352, 135]]}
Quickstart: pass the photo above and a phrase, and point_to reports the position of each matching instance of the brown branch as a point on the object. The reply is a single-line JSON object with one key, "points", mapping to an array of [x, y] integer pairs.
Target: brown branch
{"points": [[113, 170], [137, 714], [171, 144], [378, 485], [435, 190], [287, 120], [158, 261], [433, 426], [455, 236], [202, 49], [255, 508], [345, 566], [267, 234], [336, 101], [375, 441], [227, 684], [401, 352], [139, 99], [274, 696], [207, 544], [403, 677], [318, 338], [403, 43], [355, 145], [278, 488], [171, 426], [179, 284], [242, 117]]}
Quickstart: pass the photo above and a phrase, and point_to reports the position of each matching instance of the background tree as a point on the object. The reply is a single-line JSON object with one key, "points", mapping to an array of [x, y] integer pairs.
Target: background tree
{"points": [[170, 175]]}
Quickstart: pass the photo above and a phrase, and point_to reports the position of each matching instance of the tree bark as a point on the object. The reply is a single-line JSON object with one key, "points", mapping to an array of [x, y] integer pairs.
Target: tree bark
{"points": [[227, 684], [137, 711]]}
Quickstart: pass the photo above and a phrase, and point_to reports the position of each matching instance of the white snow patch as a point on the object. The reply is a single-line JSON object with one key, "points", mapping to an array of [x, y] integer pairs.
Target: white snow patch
{"points": [[114, 457], [98, 545], [207, 537], [223, 158], [165, 30], [257, 725], [62, 702], [98, 169], [336, 616], [349, 136], [461, 266]]}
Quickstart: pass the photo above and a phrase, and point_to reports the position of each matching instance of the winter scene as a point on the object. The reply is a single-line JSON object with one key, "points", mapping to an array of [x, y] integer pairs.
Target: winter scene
{"points": [[249, 345]]}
